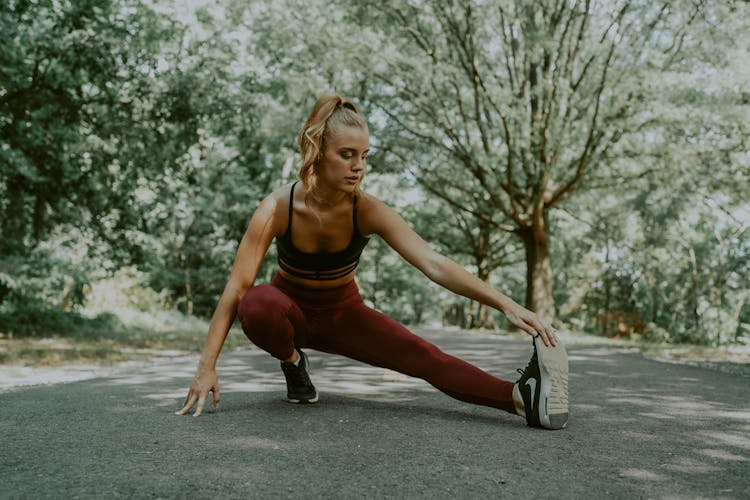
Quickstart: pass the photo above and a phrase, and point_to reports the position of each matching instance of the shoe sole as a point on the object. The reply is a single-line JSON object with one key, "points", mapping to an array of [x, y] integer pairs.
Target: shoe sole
{"points": [[303, 401], [553, 395]]}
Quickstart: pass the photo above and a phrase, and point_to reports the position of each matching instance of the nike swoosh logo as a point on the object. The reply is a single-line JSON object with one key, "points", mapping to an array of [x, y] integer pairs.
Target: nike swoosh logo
{"points": [[531, 383]]}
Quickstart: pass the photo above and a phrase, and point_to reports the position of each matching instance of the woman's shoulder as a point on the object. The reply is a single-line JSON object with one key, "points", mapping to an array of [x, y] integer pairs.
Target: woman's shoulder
{"points": [[367, 202], [370, 212], [272, 208], [281, 194]]}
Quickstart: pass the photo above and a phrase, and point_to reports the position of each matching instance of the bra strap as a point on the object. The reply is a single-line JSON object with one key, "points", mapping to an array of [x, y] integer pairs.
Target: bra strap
{"points": [[354, 214], [291, 201]]}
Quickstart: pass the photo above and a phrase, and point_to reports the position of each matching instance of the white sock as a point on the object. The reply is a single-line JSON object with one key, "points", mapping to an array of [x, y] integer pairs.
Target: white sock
{"points": [[518, 400]]}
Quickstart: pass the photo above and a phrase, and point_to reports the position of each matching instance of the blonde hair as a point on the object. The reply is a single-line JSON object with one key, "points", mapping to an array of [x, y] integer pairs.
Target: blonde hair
{"points": [[330, 112]]}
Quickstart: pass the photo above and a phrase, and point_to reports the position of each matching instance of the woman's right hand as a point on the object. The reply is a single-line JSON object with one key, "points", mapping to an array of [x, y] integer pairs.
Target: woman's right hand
{"points": [[205, 381], [531, 323]]}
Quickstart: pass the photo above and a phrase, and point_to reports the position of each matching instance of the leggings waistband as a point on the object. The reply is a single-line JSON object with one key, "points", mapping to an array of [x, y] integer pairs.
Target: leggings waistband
{"points": [[348, 292]]}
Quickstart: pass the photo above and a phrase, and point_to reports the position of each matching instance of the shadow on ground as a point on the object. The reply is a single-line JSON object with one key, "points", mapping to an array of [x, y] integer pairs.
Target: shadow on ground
{"points": [[638, 428]]}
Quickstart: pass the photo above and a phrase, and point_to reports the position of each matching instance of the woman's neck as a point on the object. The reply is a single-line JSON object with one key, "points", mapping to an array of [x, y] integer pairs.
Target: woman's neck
{"points": [[325, 199]]}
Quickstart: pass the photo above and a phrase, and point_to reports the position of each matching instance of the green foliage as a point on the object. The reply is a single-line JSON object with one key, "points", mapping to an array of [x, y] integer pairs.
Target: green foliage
{"points": [[31, 318], [141, 137], [148, 145], [666, 259]]}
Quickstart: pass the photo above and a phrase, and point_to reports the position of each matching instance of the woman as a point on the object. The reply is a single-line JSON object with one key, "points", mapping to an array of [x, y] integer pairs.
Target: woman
{"points": [[321, 226]]}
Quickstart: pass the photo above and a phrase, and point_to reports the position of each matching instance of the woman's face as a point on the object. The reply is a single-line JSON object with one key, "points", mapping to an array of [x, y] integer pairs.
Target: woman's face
{"points": [[343, 164]]}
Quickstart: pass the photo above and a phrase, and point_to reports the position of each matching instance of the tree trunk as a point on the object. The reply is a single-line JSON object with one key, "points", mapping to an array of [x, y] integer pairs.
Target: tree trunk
{"points": [[538, 268], [188, 294], [418, 305], [736, 323], [187, 285], [607, 293], [455, 315], [695, 288], [483, 317]]}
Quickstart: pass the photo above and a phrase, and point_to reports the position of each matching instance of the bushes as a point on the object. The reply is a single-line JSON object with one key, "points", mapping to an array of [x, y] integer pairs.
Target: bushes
{"points": [[34, 319]]}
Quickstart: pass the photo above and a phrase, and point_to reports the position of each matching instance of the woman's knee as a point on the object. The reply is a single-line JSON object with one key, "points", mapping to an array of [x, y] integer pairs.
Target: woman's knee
{"points": [[262, 300], [263, 314], [262, 307]]}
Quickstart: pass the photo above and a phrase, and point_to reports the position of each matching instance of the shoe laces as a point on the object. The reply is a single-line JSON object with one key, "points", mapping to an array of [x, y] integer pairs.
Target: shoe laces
{"points": [[532, 361]]}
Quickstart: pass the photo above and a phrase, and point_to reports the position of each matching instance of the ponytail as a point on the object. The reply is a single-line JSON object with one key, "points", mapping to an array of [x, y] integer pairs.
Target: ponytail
{"points": [[329, 113]]}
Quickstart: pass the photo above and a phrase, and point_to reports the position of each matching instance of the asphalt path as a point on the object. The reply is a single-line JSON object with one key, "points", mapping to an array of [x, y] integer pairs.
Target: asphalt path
{"points": [[638, 429]]}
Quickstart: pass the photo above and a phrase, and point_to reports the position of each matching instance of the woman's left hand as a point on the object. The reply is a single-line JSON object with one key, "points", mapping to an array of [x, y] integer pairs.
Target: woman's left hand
{"points": [[531, 323]]}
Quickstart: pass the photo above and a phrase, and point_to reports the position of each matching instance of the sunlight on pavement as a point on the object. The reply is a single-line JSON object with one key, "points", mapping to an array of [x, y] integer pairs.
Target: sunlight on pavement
{"points": [[642, 474], [652, 430], [728, 438], [722, 455], [251, 370]]}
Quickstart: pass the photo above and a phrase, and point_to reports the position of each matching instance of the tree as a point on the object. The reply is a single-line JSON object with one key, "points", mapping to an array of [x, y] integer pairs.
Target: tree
{"points": [[69, 71], [524, 99], [471, 242], [668, 248]]}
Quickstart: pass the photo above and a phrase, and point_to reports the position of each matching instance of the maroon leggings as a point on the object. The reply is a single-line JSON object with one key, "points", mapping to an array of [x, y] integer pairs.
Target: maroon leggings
{"points": [[284, 315]]}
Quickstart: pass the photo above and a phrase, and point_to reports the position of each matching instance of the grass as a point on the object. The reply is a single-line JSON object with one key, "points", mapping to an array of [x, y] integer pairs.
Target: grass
{"points": [[51, 338], [105, 347], [35, 335]]}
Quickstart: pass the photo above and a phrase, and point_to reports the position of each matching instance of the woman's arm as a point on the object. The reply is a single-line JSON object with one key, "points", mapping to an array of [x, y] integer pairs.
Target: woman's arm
{"points": [[252, 248], [384, 221], [250, 252]]}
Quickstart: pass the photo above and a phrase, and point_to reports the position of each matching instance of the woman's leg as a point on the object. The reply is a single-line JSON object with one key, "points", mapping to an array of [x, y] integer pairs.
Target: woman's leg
{"points": [[273, 321], [276, 324], [367, 335]]}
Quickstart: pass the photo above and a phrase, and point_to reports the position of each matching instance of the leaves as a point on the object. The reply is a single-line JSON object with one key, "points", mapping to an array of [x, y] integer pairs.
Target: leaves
{"points": [[602, 144]]}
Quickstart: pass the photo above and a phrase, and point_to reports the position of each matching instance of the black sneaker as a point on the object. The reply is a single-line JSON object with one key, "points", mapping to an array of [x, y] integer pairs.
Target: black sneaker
{"points": [[544, 386], [299, 389]]}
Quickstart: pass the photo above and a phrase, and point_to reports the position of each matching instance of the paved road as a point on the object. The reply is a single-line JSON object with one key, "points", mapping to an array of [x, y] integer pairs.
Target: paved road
{"points": [[638, 428]]}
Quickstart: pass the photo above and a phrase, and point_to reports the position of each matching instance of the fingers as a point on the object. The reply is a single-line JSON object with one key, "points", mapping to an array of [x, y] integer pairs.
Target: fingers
{"points": [[530, 322], [535, 326], [217, 395], [548, 338], [545, 333], [198, 393], [552, 334], [189, 402], [193, 397], [531, 326], [201, 404], [539, 333], [528, 329]]}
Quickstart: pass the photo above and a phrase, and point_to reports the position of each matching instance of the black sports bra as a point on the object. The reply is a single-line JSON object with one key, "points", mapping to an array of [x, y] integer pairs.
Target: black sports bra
{"points": [[319, 266]]}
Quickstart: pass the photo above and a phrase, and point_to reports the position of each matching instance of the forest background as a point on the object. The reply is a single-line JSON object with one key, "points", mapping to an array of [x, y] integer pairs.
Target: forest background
{"points": [[588, 158]]}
